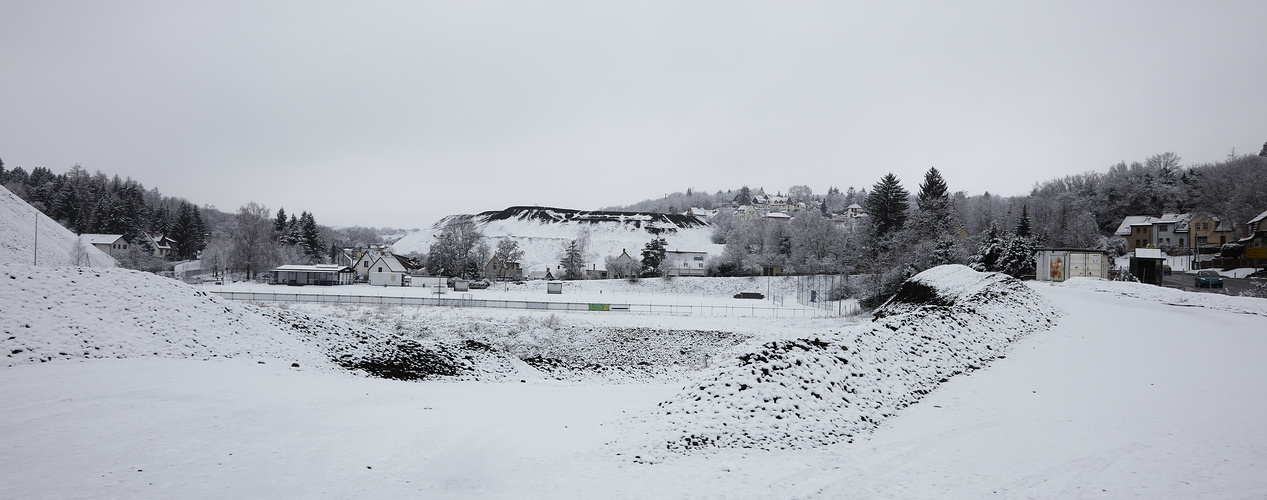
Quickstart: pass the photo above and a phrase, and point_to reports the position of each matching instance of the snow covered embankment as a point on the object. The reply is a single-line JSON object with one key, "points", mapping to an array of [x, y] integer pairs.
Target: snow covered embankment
{"points": [[808, 392], [49, 313]]}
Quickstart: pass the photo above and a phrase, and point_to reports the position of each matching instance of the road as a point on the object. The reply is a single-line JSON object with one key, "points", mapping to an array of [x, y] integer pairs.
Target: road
{"points": [[1231, 286]]}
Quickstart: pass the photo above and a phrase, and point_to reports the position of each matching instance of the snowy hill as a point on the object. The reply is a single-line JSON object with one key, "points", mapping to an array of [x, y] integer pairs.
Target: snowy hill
{"points": [[58, 313], [57, 245], [544, 232]]}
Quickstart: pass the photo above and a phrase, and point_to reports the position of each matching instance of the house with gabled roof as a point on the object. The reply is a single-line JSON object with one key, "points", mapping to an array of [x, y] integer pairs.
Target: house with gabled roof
{"points": [[387, 270]]}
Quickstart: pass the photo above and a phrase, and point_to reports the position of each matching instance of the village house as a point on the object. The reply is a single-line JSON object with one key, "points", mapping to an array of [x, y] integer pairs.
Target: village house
{"points": [[1255, 233], [112, 244], [1179, 234], [624, 267], [365, 261], [387, 270], [496, 269], [684, 263]]}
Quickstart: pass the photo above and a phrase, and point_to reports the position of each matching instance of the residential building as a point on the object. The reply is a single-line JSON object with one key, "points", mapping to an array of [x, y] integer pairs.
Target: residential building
{"points": [[684, 263]]}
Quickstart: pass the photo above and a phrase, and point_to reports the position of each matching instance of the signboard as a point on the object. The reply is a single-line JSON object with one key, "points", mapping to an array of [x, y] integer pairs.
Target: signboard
{"points": [[1256, 253]]}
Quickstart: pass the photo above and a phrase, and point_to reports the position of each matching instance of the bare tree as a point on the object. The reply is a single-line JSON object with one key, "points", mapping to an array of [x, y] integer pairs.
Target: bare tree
{"points": [[253, 247]]}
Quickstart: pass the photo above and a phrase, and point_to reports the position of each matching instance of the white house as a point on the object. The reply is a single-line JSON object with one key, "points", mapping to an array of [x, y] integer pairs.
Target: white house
{"points": [[682, 263], [387, 270], [111, 244]]}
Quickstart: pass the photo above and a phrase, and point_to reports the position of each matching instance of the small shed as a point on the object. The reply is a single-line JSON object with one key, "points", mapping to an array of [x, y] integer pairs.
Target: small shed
{"points": [[1059, 264], [319, 274], [1146, 265], [554, 287]]}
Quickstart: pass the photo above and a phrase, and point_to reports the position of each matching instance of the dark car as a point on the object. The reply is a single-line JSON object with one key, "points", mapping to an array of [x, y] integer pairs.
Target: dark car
{"points": [[1165, 268], [1208, 278]]}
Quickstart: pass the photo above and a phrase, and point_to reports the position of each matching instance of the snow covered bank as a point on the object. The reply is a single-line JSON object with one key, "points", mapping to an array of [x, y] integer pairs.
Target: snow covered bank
{"points": [[1171, 296], [57, 246], [810, 392], [49, 313]]}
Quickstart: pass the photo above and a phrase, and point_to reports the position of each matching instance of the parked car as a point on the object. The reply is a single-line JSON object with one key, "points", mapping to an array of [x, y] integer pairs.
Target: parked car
{"points": [[1165, 268], [1208, 278]]}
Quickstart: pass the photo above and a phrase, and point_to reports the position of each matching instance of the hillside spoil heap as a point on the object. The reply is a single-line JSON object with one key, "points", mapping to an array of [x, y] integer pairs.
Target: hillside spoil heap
{"points": [[809, 392]]}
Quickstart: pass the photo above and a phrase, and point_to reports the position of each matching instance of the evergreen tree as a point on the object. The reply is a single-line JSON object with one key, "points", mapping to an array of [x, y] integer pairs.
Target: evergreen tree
{"points": [[290, 235], [4, 176], [1260, 153], [934, 197], [990, 251], [573, 264], [1017, 260], [652, 256], [279, 224], [310, 236], [887, 205], [1023, 225], [744, 197]]}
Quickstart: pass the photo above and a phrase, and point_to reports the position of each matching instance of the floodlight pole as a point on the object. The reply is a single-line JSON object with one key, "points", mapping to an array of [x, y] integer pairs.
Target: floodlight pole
{"points": [[37, 239]]}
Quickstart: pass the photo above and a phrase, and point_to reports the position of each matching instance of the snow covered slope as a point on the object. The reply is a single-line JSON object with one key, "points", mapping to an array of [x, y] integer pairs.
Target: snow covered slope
{"points": [[809, 392], [57, 245], [52, 313], [544, 232]]}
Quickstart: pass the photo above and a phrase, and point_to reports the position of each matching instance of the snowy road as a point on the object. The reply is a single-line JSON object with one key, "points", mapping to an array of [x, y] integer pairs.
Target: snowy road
{"points": [[1126, 397]]}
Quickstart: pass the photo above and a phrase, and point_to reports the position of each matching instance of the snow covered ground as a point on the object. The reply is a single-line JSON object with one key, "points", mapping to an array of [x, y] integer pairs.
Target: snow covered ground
{"points": [[56, 245], [1136, 391]]}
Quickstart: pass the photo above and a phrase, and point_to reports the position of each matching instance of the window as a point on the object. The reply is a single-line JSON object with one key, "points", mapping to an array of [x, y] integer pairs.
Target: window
{"points": [[1205, 226], [380, 269], [367, 264], [1200, 240], [1222, 239]]}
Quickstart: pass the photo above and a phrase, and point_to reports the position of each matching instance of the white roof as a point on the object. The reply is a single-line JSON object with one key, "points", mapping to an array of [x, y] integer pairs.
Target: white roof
{"points": [[778, 215], [392, 264], [1259, 218], [855, 205], [315, 267], [1148, 253], [1125, 228], [100, 239]]}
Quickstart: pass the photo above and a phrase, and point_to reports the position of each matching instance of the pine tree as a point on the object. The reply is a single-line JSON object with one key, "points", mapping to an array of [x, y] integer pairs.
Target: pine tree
{"points": [[934, 197], [990, 251], [310, 236], [1017, 260], [652, 256], [573, 264], [887, 205], [1023, 226], [279, 224]]}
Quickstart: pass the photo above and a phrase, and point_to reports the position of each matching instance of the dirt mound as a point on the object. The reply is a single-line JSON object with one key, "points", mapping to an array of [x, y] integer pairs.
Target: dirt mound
{"points": [[54, 313], [810, 392]]}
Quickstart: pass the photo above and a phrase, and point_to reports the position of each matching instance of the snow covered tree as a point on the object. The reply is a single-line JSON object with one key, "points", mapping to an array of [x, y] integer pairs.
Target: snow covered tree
{"points": [[990, 251], [279, 223], [1023, 228], [458, 249], [887, 205], [251, 235], [653, 254], [1017, 260], [572, 263], [310, 237], [934, 197]]}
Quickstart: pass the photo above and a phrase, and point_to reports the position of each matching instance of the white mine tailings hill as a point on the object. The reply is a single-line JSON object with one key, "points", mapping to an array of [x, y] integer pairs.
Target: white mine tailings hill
{"points": [[543, 233], [57, 246]]}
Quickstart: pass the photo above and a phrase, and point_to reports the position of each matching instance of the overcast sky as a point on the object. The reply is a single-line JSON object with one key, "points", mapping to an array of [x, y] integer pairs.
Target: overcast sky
{"points": [[397, 113]]}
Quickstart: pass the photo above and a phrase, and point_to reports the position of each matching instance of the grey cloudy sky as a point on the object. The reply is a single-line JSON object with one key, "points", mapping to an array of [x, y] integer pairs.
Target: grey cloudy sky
{"points": [[396, 113]]}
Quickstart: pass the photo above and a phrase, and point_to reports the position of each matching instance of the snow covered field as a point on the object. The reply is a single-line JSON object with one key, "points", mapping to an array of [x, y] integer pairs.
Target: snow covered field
{"points": [[1137, 391]]}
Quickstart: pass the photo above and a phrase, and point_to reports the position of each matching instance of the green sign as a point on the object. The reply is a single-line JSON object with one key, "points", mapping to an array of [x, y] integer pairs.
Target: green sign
{"points": [[600, 307]]}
